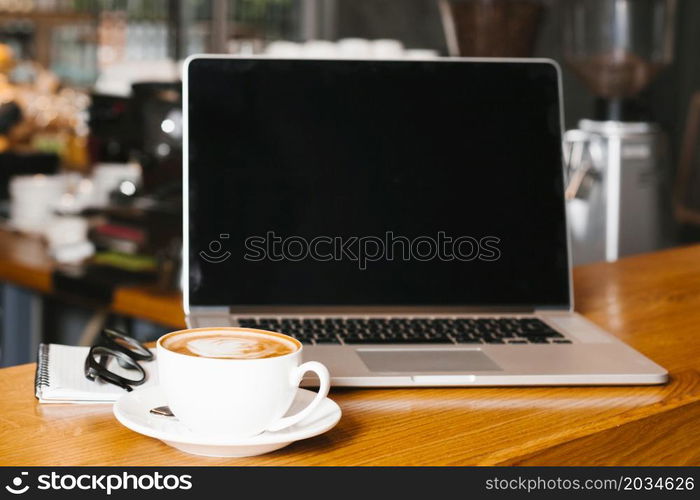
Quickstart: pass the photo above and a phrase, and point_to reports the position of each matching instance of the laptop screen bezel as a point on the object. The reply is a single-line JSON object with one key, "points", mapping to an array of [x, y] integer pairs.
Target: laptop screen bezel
{"points": [[189, 308]]}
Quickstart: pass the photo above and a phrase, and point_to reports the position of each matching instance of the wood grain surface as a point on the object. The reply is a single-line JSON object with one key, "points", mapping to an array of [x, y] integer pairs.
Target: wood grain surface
{"points": [[651, 302]]}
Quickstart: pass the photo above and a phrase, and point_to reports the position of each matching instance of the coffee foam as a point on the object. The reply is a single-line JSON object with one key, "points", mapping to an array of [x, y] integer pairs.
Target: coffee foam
{"points": [[227, 344]]}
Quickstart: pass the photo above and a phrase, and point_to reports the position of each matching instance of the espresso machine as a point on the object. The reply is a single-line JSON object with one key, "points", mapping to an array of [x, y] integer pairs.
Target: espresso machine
{"points": [[615, 157]]}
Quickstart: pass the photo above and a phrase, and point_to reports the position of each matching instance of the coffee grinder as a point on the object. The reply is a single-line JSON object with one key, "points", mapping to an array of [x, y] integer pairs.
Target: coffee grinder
{"points": [[616, 47]]}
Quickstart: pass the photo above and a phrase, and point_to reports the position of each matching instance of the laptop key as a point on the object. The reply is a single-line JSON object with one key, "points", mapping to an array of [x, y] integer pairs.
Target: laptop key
{"points": [[541, 334], [492, 340], [428, 340], [439, 336], [353, 338], [377, 340], [327, 340]]}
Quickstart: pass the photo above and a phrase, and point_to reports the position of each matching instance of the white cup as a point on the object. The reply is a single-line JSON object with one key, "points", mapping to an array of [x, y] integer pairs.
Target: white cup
{"points": [[33, 199], [66, 230], [319, 49], [387, 49], [236, 397], [354, 48], [284, 49]]}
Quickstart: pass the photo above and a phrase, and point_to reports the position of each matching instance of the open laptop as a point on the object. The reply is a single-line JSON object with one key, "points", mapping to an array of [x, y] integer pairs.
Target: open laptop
{"points": [[404, 219]]}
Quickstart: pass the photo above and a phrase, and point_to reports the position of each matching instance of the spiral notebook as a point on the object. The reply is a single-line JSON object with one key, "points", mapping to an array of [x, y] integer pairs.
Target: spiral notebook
{"points": [[60, 377]]}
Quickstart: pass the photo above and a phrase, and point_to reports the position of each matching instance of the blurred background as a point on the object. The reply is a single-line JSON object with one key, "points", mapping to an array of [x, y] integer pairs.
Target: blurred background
{"points": [[91, 125]]}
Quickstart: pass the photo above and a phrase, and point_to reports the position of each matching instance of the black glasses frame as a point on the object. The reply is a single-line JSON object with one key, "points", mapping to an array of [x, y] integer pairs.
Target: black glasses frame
{"points": [[127, 351]]}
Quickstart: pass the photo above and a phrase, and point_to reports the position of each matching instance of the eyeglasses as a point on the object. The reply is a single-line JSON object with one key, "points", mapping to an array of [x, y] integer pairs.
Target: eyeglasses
{"points": [[115, 347]]}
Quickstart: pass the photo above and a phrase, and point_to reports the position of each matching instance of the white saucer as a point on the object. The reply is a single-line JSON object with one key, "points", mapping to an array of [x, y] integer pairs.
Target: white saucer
{"points": [[133, 411]]}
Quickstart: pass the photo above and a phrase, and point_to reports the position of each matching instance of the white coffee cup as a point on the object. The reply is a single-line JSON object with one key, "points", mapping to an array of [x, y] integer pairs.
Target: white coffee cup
{"points": [[236, 397]]}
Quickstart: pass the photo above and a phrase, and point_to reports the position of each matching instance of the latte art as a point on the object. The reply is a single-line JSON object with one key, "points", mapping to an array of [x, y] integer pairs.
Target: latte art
{"points": [[224, 344], [238, 348]]}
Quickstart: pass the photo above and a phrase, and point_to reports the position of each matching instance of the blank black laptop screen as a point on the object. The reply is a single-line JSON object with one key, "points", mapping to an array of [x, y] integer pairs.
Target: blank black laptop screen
{"points": [[375, 183]]}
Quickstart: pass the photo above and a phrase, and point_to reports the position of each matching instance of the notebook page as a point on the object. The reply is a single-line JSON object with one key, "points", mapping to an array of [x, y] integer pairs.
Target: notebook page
{"points": [[67, 381]]}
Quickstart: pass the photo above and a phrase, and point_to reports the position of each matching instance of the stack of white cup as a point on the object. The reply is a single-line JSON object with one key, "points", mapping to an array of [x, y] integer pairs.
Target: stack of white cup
{"points": [[347, 48]]}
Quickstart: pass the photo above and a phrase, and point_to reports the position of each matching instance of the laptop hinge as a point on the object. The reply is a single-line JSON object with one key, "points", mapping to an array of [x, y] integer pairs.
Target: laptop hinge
{"points": [[375, 310], [342, 310], [210, 310], [553, 309]]}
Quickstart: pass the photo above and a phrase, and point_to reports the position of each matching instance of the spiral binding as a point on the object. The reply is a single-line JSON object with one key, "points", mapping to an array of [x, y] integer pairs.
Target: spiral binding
{"points": [[42, 367]]}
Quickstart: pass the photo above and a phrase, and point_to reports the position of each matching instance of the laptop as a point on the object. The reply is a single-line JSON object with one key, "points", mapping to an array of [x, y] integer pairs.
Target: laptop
{"points": [[404, 219]]}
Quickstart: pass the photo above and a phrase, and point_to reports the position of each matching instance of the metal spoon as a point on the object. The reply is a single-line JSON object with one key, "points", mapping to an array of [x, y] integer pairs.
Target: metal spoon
{"points": [[162, 411]]}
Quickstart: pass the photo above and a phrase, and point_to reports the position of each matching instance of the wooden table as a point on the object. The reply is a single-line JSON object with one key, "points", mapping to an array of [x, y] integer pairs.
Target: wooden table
{"points": [[651, 302]]}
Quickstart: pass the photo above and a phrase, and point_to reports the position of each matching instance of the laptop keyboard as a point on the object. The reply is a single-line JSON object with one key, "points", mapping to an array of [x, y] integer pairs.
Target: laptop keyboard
{"points": [[411, 330]]}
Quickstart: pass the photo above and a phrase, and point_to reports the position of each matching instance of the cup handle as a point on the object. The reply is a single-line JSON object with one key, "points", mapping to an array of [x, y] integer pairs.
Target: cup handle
{"points": [[324, 386]]}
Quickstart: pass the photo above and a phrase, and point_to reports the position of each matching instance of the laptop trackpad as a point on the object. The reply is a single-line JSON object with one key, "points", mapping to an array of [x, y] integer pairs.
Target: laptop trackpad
{"points": [[433, 360]]}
